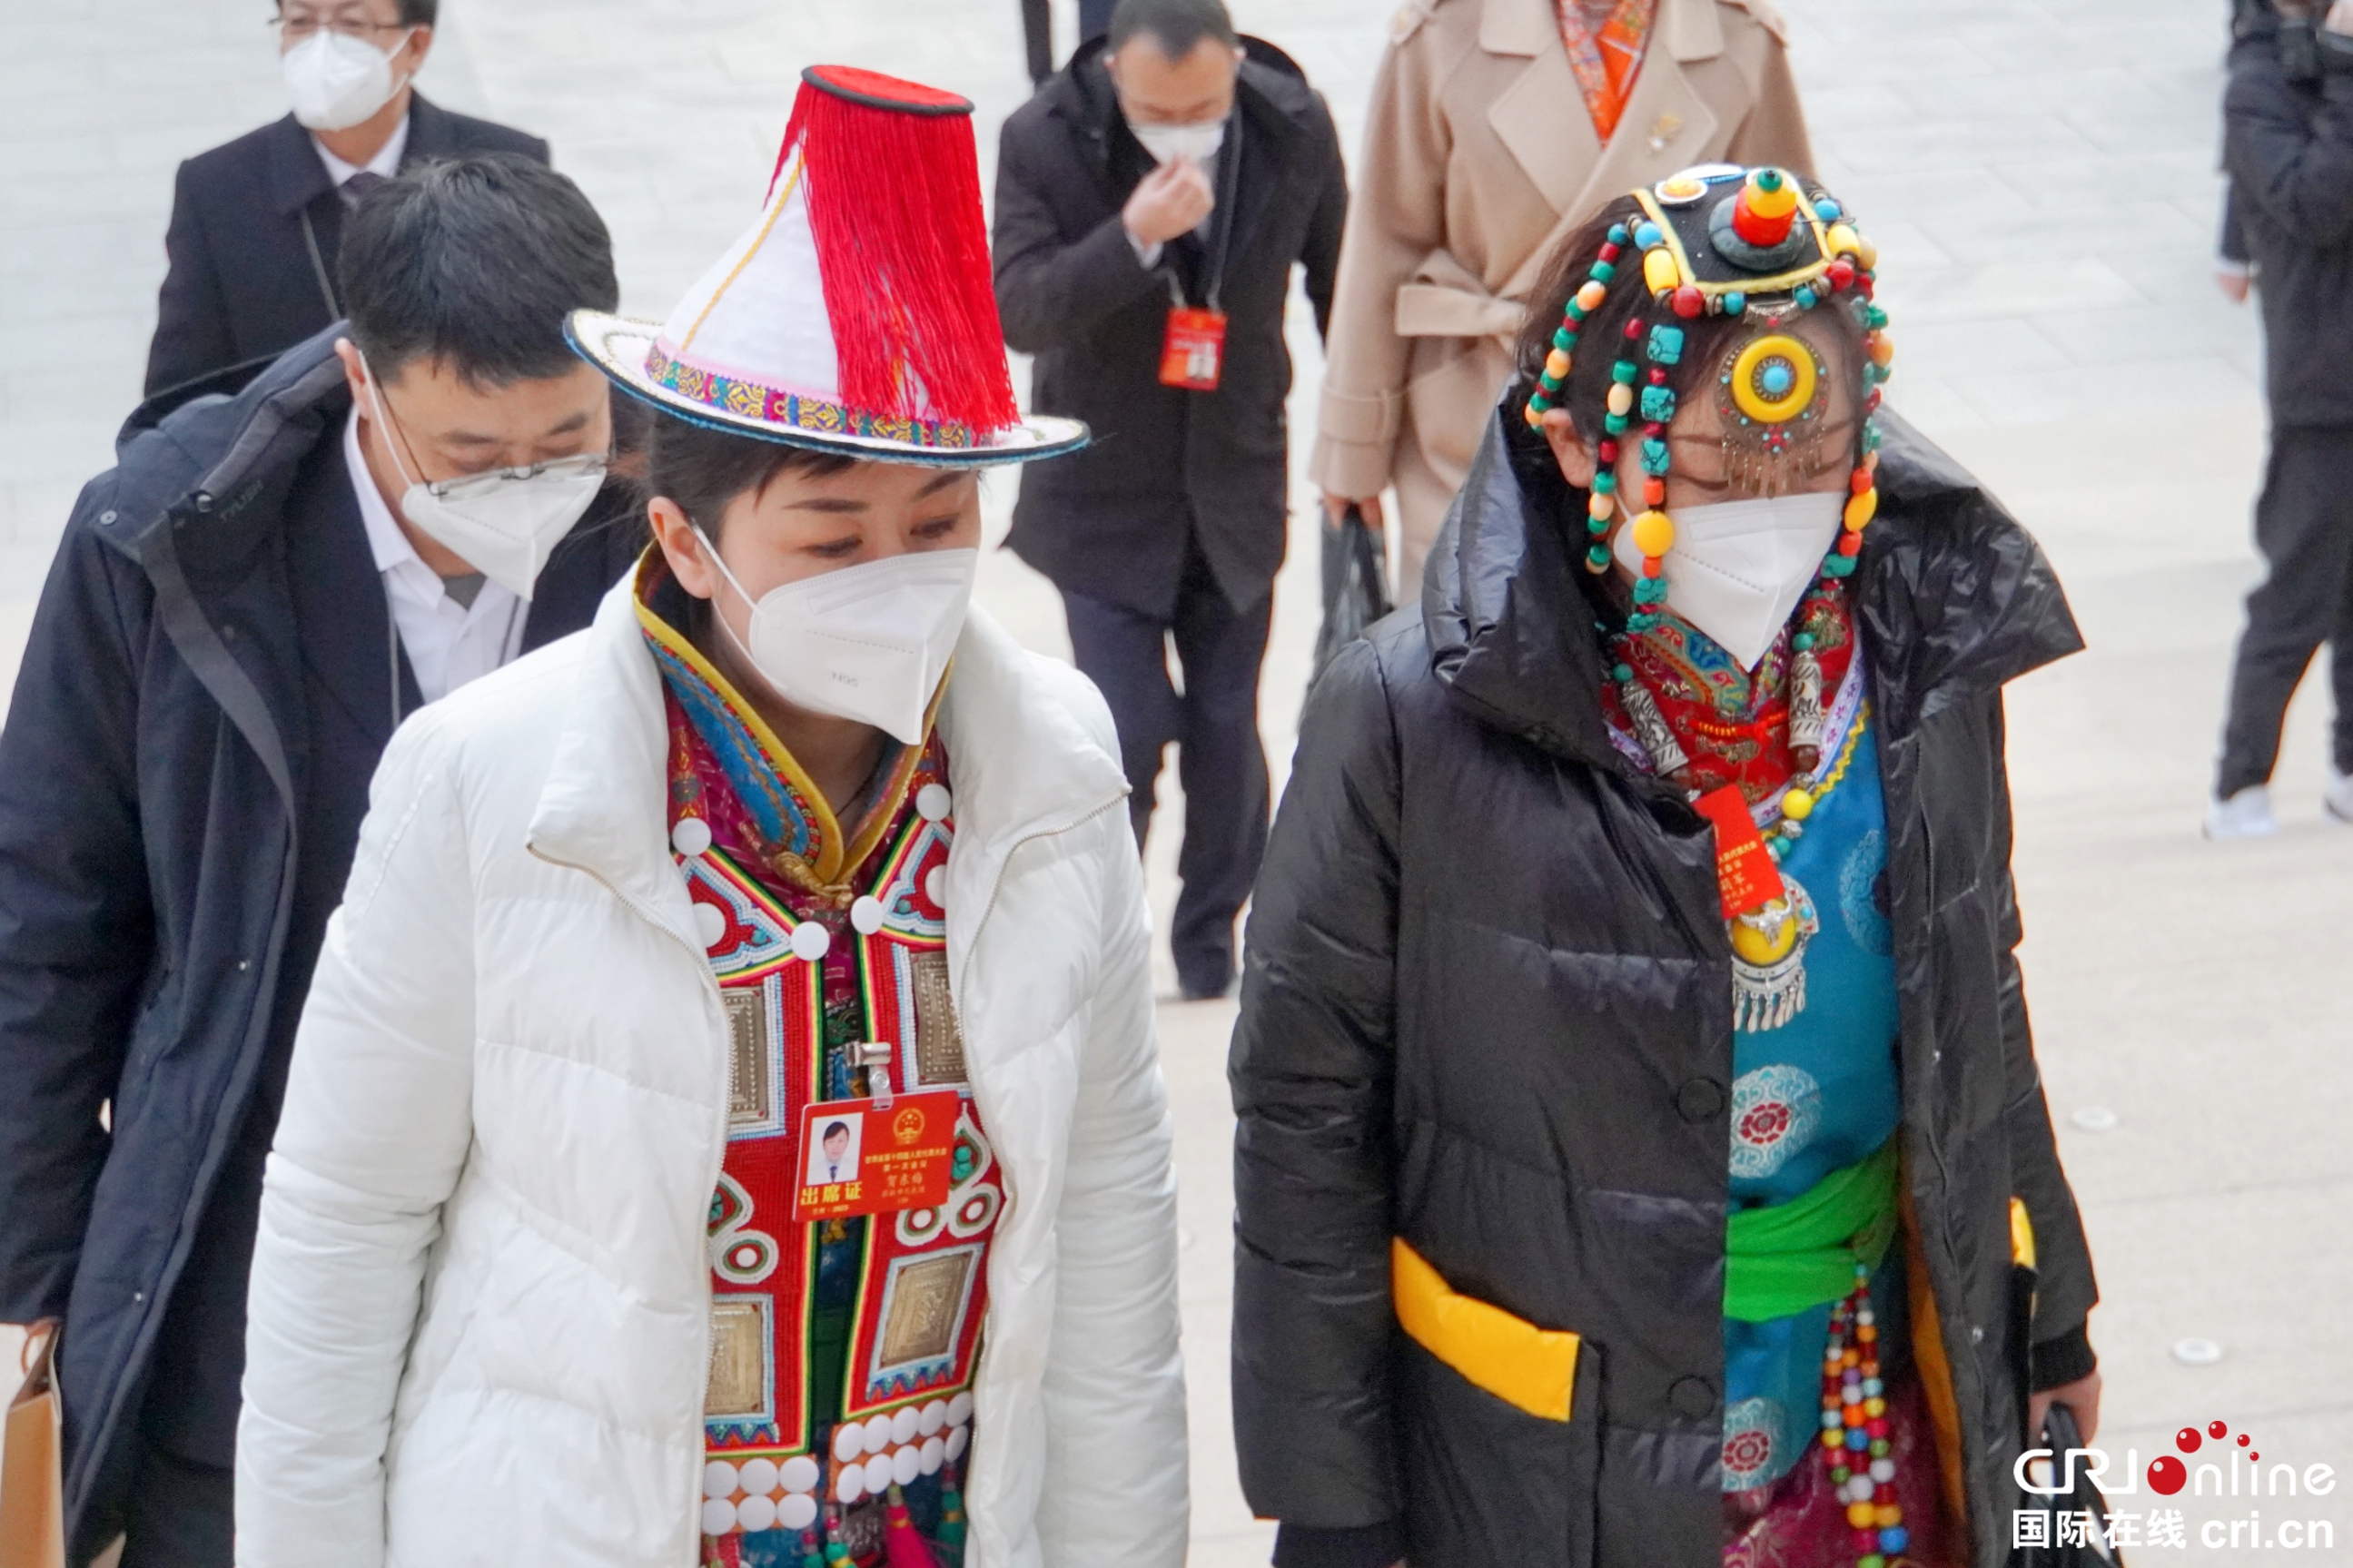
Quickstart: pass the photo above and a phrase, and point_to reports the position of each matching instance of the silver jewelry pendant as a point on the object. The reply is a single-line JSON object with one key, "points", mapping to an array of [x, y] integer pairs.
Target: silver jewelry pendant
{"points": [[1768, 959], [1807, 720], [1650, 729]]}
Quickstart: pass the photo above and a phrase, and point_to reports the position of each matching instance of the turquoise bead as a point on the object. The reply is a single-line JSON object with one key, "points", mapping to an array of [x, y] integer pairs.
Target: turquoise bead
{"points": [[1618, 233], [1655, 458], [1621, 673], [1874, 317], [1564, 339], [1735, 302], [1827, 210], [1596, 526], [1658, 405], [1623, 373], [1602, 272], [1648, 235], [1805, 297], [1666, 345], [1776, 378], [1614, 422], [1605, 483], [1599, 555], [1803, 641]]}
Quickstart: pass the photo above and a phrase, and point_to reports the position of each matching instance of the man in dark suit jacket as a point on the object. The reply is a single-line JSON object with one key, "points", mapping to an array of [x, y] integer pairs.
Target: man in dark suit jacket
{"points": [[1172, 522], [257, 225], [240, 614]]}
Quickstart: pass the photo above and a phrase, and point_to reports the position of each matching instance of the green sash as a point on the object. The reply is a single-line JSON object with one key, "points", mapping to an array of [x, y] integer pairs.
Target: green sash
{"points": [[1790, 1256]]}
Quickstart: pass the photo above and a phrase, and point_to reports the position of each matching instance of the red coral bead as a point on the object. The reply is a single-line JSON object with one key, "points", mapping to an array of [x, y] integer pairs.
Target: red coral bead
{"points": [[1690, 302], [1878, 1425], [1609, 251], [1658, 375], [1608, 452], [1858, 481], [1654, 492], [1841, 274], [1871, 404], [1634, 329], [1847, 544]]}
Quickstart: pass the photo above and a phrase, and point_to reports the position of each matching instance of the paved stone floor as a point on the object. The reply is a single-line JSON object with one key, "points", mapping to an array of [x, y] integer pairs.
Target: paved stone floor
{"points": [[2039, 174]]}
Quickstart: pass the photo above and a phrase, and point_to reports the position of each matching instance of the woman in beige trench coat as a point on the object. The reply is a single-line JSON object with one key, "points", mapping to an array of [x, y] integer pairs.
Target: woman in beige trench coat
{"points": [[1480, 153]]}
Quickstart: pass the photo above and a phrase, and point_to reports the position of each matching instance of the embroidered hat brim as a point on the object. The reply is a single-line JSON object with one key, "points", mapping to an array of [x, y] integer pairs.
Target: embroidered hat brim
{"points": [[625, 349]]}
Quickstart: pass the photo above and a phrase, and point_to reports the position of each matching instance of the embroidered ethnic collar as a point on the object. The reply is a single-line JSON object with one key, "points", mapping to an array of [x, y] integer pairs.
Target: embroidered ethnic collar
{"points": [[801, 839]]}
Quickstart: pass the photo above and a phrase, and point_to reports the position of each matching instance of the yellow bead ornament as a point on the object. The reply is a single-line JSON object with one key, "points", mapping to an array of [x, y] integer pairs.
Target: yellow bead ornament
{"points": [[1621, 398], [1590, 297], [1797, 805], [1882, 352], [1599, 506], [1778, 202], [1843, 240], [1861, 509], [1655, 534], [1659, 271], [1557, 366]]}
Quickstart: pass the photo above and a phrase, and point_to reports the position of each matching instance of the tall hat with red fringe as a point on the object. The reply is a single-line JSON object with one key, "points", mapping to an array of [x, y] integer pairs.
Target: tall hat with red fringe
{"points": [[857, 316]]}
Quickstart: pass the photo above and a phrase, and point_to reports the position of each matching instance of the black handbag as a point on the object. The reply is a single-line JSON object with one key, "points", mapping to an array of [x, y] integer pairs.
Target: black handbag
{"points": [[1355, 595], [2071, 1530]]}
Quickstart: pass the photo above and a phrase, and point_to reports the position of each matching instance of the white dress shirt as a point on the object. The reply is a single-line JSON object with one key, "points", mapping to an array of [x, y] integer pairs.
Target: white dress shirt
{"points": [[448, 643], [386, 162]]}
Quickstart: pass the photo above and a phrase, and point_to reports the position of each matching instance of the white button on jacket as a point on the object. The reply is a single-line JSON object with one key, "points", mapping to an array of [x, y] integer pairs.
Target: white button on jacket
{"points": [[479, 1322]]}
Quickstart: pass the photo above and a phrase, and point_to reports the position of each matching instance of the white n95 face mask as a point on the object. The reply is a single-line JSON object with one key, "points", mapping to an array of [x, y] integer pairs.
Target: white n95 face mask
{"points": [[334, 80], [1166, 143], [1737, 569], [868, 642], [505, 522]]}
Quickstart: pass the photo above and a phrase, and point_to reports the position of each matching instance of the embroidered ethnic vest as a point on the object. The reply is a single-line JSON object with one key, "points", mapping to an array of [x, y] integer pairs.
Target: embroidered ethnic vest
{"points": [[816, 944]]}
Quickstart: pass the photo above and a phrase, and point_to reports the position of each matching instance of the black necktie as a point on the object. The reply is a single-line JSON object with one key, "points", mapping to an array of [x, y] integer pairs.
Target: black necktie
{"points": [[355, 190]]}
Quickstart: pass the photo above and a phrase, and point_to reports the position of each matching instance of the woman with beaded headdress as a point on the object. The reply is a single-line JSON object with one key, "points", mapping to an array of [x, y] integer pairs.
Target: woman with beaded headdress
{"points": [[1631, 1015]]}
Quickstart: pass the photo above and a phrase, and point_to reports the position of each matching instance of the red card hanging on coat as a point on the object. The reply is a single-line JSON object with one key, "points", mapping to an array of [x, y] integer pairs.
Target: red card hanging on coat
{"points": [[1194, 351], [865, 1156], [1745, 873]]}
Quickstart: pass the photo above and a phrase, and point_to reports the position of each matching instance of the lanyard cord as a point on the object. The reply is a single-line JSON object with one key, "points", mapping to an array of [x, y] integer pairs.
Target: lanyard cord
{"points": [[1230, 178]]}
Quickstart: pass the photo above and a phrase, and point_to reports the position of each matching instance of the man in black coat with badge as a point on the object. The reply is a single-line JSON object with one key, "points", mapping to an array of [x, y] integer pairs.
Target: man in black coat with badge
{"points": [[240, 613], [257, 222], [1150, 202]]}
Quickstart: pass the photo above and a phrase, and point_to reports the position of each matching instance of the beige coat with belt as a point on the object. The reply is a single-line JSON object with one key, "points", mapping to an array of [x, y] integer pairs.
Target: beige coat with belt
{"points": [[1479, 157]]}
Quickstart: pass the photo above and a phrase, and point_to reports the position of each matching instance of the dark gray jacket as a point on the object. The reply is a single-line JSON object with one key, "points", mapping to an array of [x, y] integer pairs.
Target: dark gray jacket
{"points": [[1488, 1008], [2288, 149], [209, 682], [256, 232], [1112, 521]]}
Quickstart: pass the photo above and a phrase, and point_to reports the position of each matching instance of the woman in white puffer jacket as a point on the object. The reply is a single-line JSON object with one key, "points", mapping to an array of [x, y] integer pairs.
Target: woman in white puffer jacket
{"points": [[516, 1297]]}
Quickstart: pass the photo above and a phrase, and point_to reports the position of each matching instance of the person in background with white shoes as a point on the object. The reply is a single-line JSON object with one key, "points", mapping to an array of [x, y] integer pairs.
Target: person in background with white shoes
{"points": [[2288, 147], [547, 1273]]}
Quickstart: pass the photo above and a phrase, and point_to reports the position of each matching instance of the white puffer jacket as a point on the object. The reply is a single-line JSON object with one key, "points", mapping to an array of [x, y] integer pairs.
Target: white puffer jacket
{"points": [[479, 1322]]}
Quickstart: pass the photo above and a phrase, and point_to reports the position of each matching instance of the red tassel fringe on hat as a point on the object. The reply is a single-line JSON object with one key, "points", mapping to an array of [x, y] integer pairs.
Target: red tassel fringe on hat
{"points": [[892, 185]]}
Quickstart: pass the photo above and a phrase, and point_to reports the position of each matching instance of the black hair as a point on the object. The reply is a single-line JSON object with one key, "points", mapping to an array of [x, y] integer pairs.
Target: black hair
{"points": [[702, 470], [475, 262], [833, 1127], [1600, 340], [413, 12], [1176, 26]]}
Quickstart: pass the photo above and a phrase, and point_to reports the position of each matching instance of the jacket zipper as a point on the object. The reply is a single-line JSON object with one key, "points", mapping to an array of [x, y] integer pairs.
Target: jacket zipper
{"points": [[694, 1515], [1012, 1199]]}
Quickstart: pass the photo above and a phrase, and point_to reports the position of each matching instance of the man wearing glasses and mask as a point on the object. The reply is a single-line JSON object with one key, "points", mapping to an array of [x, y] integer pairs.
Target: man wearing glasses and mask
{"points": [[257, 224], [240, 613]]}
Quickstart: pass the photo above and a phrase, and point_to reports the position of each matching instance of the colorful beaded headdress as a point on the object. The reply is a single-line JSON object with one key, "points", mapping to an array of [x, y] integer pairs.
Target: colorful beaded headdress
{"points": [[1721, 240], [858, 315]]}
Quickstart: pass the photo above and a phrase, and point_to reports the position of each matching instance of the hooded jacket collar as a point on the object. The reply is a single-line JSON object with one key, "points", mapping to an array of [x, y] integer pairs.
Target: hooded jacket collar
{"points": [[1951, 594], [1020, 764]]}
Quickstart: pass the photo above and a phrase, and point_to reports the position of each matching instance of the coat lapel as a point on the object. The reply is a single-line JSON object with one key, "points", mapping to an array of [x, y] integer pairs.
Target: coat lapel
{"points": [[296, 176], [339, 599]]}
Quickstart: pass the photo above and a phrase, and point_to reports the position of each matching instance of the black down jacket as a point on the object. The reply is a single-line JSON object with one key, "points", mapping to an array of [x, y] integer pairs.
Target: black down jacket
{"points": [[1488, 1008]]}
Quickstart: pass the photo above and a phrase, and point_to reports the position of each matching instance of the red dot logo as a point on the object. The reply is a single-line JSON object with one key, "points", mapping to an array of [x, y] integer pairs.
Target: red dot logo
{"points": [[2187, 1440], [2166, 1475], [2217, 1429]]}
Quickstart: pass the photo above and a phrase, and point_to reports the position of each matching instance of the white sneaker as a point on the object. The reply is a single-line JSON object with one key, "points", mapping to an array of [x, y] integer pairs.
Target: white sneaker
{"points": [[2246, 815], [2336, 797]]}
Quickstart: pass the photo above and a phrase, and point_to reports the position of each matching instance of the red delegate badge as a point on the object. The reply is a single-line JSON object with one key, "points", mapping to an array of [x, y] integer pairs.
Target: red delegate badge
{"points": [[863, 1156], [1745, 872], [1194, 351]]}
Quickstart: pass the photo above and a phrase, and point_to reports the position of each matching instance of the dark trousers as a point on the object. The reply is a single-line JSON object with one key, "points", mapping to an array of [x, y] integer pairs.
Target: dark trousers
{"points": [[178, 1514], [1219, 759], [2303, 529]]}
